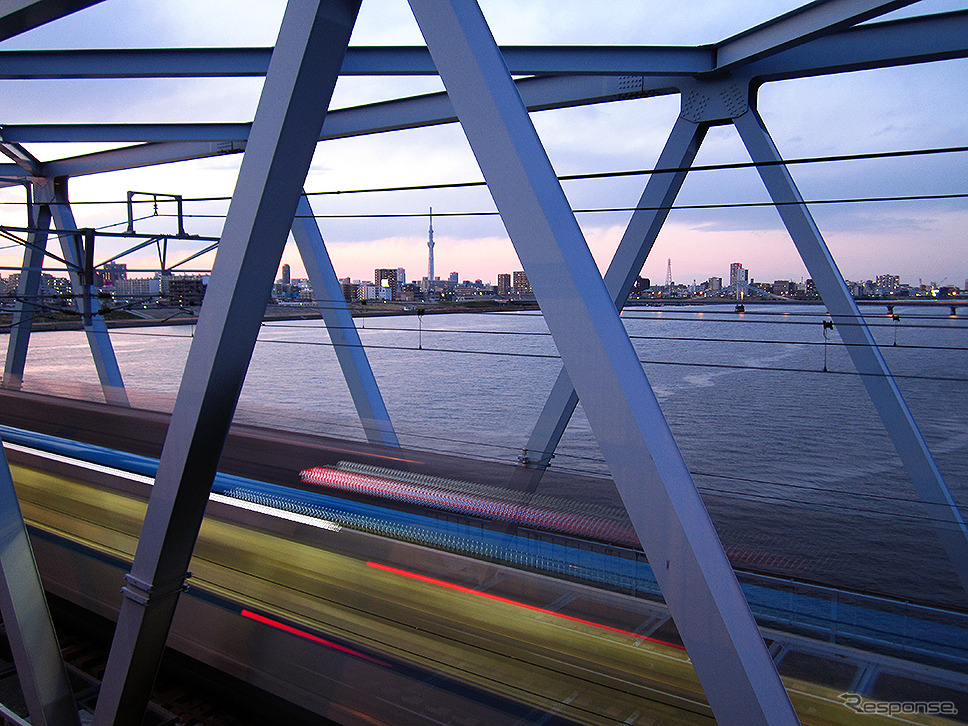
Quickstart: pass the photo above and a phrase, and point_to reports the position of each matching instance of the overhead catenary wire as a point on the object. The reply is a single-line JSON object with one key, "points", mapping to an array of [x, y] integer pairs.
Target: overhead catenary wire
{"points": [[830, 158], [623, 209], [555, 356], [632, 336]]}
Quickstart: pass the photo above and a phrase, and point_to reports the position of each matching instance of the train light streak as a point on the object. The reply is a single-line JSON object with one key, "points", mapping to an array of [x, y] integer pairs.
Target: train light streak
{"points": [[466, 503], [309, 636], [276, 512], [508, 601]]}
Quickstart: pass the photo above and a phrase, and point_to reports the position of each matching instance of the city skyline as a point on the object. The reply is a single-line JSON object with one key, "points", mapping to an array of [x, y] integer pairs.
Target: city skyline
{"points": [[916, 107]]}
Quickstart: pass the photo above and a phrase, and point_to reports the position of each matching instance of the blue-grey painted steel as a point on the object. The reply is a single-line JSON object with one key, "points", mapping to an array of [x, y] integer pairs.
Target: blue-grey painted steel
{"points": [[718, 630], [135, 157], [21, 157], [814, 19], [28, 301], [299, 84], [106, 363], [902, 41], [903, 430], [342, 330], [26, 619], [633, 250], [539, 93], [19, 16], [359, 61], [877, 45]]}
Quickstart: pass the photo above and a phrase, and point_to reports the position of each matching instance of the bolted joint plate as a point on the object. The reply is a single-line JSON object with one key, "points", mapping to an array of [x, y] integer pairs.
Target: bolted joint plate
{"points": [[144, 593], [712, 101]]}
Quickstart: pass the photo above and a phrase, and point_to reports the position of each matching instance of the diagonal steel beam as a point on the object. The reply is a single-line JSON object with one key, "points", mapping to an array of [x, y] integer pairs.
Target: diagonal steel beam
{"points": [[813, 20], [867, 358], [21, 157], [342, 330], [96, 330], [28, 293], [633, 250], [26, 618], [19, 16], [299, 84], [718, 630]]}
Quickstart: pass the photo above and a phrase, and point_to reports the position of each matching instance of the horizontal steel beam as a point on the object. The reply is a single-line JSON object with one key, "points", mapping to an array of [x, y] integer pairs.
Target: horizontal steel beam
{"points": [[540, 93], [134, 157], [878, 45], [361, 61], [433, 109], [923, 39], [799, 26]]}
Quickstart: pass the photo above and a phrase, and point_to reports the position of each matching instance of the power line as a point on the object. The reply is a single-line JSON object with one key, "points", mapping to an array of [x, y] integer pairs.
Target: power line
{"points": [[597, 175], [555, 356]]}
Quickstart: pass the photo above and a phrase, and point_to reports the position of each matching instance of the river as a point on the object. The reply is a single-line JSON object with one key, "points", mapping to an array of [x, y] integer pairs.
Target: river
{"points": [[797, 470]]}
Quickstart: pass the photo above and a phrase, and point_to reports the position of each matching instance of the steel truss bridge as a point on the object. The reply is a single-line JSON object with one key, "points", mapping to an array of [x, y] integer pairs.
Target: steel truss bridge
{"points": [[489, 91]]}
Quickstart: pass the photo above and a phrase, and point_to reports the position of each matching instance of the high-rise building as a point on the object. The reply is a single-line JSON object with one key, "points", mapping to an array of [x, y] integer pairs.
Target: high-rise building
{"points": [[521, 284], [887, 284], [453, 278], [504, 283], [144, 290], [286, 275], [385, 277], [187, 289], [738, 275], [110, 272]]}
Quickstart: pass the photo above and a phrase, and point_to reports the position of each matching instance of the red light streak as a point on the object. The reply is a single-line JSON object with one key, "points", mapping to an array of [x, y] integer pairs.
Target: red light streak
{"points": [[309, 636], [498, 598]]}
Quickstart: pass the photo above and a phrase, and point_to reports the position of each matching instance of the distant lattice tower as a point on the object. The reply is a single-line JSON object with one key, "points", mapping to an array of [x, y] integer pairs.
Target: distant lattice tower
{"points": [[669, 274], [430, 247]]}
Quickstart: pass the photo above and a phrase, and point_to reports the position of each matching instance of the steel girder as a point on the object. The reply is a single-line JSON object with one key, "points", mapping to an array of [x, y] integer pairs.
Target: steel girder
{"points": [[360, 61], [643, 228], [540, 93], [737, 674], [703, 105], [105, 361], [26, 618], [870, 364], [877, 45], [19, 16], [49, 202], [28, 291], [297, 90], [336, 315], [797, 27], [866, 47]]}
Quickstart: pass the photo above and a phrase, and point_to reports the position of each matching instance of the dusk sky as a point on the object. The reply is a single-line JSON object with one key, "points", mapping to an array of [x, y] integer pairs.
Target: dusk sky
{"points": [[917, 107]]}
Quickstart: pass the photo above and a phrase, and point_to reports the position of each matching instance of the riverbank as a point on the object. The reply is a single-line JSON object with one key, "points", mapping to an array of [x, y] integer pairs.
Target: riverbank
{"points": [[66, 320]]}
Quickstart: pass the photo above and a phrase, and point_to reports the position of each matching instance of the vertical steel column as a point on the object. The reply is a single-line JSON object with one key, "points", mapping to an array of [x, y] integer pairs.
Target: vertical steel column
{"points": [[867, 358], [653, 208], [299, 84], [106, 363], [26, 619], [734, 667], [342, 330], [28, 290]]}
